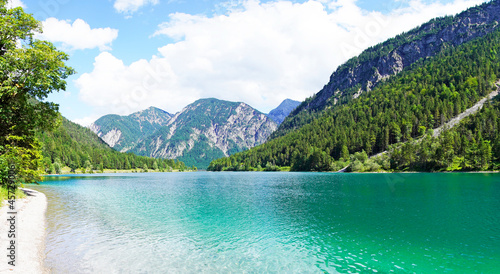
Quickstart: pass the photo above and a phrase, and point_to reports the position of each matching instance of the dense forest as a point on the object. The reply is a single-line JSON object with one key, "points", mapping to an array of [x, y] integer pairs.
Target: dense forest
{"points": [[401, 109], [363, 72], [473, 145], [81, 150]]}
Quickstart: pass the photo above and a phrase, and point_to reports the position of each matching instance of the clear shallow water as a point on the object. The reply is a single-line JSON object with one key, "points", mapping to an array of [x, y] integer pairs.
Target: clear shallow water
{"points": [[273, 222]]}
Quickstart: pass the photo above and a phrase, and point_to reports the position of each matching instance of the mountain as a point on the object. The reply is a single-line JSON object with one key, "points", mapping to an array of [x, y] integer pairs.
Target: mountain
{"points": [[281, 112], [400, 113], [377, 64], [124, 132], [75, 146], [207, 129]]}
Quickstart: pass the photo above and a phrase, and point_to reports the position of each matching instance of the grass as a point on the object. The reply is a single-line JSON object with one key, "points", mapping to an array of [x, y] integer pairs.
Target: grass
{"points": [[4, 194]]}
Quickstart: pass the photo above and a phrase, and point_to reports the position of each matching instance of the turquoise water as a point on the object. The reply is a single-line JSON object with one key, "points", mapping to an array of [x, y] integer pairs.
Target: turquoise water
{"points": [[273, 222]]}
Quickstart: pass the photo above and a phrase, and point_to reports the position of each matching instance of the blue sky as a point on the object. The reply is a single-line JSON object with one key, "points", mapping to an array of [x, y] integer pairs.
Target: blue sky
{"points": [[132, 54]]}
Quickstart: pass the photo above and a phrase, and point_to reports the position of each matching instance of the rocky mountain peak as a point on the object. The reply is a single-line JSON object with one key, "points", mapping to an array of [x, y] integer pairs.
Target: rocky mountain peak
{"points": [[123, 132], [208, 129], [278, 114], [152, 115]]}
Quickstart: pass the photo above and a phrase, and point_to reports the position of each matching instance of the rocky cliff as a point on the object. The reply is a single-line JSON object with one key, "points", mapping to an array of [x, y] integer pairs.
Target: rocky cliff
{"points": [[362, 73], [124, 132], [208, 129]]}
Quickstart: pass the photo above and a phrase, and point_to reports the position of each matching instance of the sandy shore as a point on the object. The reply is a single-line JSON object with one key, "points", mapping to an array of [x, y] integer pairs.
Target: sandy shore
{"points": [[31, 231]]}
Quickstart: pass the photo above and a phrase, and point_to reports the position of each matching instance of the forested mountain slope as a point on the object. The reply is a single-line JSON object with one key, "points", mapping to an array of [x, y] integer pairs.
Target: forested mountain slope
{"points": [[78, 147], [472, 145], [406, 106], [378, 63]]}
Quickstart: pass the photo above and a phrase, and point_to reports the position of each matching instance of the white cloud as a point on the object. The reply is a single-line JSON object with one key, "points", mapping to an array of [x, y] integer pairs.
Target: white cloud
{"points": [[258, 53], [116, 88], [131, 6], [87, 121], [78, 35], [15, 4]]}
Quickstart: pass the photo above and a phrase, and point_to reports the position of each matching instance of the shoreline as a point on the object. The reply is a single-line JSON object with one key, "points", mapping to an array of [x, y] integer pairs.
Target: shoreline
{"points": [[117, 171], [31, 225], [373, 172]]}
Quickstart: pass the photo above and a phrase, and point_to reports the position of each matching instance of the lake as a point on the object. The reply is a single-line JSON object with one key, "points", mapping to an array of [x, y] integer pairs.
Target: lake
{"points": [[273, 222]]}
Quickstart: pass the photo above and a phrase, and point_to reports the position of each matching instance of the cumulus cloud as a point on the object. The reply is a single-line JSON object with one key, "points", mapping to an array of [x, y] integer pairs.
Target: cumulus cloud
{"points": [[78, 35], [87, 121], [114, 87], [131, 6], [258, 53], [15, 4]]}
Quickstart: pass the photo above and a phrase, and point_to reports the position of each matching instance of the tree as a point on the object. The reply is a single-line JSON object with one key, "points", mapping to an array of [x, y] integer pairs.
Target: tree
{"points": [[57, 167], [47, 164], [345, 153], [26, 160], [50, 169], [127, 164], [88, 166], [484, 155], [28, 74]]}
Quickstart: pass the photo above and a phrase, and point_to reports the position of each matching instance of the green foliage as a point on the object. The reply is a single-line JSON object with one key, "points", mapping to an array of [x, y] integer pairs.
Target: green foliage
{"points": [[201, 154], [474, 145], [77, 147], [344, 153], [361, 163], [423, 97], [88, 166], [4, 194], [271, 167], [360, 71], [57, 167], [24, 154], [28, 74]]}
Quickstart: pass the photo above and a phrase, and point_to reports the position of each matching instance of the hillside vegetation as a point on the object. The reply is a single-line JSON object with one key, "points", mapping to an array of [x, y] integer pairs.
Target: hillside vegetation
{"points": [[80, 149], [405, 107], [372, 67]]}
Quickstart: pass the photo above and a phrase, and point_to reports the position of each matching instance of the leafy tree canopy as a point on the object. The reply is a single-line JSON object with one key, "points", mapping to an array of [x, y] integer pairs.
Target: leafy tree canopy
{"points": [[30, 70]]}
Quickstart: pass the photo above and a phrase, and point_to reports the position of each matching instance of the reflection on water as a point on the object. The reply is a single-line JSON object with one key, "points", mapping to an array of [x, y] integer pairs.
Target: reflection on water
{"points": [[273, 222]]}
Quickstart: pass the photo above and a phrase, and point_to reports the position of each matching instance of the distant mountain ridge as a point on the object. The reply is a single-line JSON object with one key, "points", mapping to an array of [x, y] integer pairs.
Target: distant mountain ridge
{"points": [[378, 63], [204, 130], [281, 112], [124, 132], [208, 129]]}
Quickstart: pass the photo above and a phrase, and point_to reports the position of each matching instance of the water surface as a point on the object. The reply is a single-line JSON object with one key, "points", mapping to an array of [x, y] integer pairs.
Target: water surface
{"points": [[273, 222]]}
